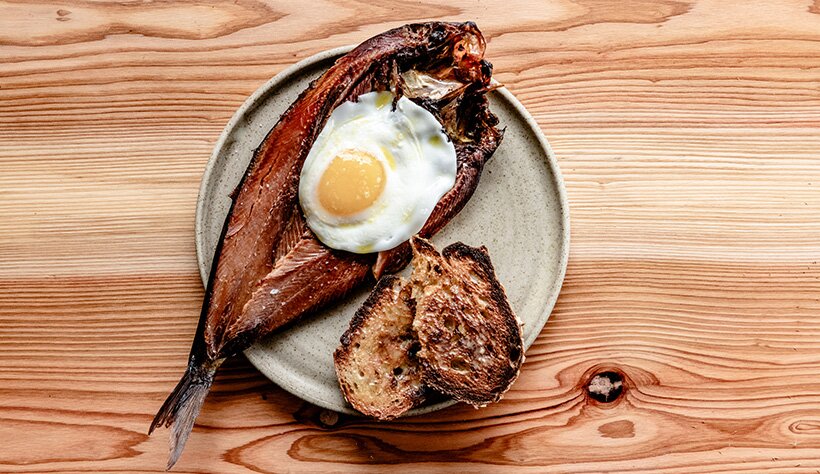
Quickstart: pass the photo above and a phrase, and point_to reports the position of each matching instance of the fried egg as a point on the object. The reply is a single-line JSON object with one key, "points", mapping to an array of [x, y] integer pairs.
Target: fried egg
{"points": [[374, 174]]}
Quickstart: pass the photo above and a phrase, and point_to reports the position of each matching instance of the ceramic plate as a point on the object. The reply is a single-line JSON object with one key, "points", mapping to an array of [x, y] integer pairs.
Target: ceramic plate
{"points": [[519, 212]]}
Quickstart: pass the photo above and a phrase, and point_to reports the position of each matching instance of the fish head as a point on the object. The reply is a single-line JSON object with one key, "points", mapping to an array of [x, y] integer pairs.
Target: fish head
{"points": [[456, 46]]}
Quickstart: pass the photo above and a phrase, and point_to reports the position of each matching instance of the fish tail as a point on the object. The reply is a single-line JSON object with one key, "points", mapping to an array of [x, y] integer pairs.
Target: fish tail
{"points": [[183, 404]]}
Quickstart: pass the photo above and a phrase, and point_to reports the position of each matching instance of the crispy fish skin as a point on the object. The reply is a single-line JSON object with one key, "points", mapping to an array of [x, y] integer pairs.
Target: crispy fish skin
{"points": [[268, 268]]}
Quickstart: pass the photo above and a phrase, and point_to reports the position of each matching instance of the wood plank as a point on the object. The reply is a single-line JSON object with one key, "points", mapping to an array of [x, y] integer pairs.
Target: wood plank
{"points": [[688, 133]]}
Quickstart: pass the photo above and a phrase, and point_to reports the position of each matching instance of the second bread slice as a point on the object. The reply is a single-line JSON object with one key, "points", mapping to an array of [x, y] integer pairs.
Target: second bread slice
{"points": [[376, 363], [471, 344]]}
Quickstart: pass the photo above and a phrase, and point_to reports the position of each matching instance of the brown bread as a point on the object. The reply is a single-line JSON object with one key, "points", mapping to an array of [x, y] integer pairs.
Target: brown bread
{"points": [[378, 371], [449, 328], [471, 347]]}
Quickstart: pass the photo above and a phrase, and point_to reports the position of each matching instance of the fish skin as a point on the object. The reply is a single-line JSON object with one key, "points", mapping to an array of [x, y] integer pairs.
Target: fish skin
{"points": [[328, 275], [332, 274], [267, 196], [308, 278], [294, 232], [257, 249]]}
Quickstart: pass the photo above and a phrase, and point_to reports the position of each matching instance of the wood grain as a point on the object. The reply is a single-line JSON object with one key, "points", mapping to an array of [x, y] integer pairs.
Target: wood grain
{"points": [[689, 137]]}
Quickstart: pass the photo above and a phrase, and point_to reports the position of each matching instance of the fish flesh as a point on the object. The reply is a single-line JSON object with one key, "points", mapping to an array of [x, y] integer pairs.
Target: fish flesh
{"points": [[269, 269]]}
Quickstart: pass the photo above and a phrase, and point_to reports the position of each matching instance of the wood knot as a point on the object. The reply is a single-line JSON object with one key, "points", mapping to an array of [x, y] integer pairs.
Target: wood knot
{"points": [[328, 418], [319, 417], [605, 387]]}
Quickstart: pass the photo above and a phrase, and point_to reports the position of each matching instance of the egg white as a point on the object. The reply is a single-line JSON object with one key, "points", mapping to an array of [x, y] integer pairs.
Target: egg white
{"points": [[419, 162]]}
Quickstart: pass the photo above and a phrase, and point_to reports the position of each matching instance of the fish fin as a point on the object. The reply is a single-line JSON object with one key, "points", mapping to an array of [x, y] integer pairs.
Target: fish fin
{"points": [[295, 230], [310, 276], [182, 406]]}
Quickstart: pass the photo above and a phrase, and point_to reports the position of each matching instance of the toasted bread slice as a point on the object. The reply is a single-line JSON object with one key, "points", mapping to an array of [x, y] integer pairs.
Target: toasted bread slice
{"points": [[450, 329], [378, 371], [470, 341]]}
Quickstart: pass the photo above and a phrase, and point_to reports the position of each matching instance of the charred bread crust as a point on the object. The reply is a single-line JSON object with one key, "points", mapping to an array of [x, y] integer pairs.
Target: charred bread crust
{"points": [[515, 342], [384, 284], [481, 257], [472, 382], [386, 358]]}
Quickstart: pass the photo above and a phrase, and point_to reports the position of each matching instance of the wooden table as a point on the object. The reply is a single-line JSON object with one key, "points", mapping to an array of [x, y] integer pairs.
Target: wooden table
{"points": [[689, 138]]}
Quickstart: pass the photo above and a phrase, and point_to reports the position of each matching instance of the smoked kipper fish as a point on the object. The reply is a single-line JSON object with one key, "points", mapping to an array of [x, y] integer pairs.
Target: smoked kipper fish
{"points": [[269, 269]]}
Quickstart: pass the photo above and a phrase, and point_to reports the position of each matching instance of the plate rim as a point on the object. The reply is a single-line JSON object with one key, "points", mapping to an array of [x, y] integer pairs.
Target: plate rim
{"points": [[294, 69]]}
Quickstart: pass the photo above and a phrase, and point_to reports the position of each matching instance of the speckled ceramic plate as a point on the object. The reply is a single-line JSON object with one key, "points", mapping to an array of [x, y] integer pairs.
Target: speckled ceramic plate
{"points": [[519, 211]]}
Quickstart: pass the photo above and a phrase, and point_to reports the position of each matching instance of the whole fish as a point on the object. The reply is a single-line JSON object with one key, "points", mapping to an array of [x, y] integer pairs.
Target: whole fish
{"points": [[269, 269]]}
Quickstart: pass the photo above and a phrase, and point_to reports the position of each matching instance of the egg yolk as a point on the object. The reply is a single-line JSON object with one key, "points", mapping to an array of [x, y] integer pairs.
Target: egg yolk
{"points": [[351, 183]]}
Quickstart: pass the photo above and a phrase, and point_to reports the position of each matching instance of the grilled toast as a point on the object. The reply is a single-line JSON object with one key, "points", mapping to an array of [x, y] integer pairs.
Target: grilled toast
{"points": [[448, 329], [376, 364], [470, 341]]}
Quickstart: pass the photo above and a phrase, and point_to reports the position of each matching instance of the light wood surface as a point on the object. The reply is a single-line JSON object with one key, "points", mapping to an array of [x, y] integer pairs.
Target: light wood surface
{"points": [[689, 138]]}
